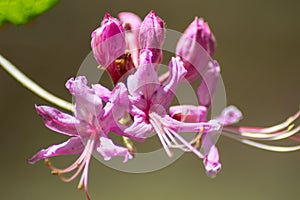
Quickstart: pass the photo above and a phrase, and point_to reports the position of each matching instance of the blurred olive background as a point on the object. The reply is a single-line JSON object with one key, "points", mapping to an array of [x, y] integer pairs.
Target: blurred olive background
{"points": [[258, 49]]}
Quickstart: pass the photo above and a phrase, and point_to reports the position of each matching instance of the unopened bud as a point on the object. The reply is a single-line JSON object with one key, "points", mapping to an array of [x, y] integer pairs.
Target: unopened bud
{"points": [[108, 41], [152, 36], [195, 39]]}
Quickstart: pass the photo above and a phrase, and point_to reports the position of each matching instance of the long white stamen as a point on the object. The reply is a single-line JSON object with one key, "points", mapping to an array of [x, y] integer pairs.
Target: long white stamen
{"points": [[161, 127], [76, 164], [171, 136], [69, 179], [265, 136], [32, 86], [84, 176], [271, 129], [187, 144], [160, 132], [264, 146], [86, 170], [176, 145], [164, 77], [80, 163]]}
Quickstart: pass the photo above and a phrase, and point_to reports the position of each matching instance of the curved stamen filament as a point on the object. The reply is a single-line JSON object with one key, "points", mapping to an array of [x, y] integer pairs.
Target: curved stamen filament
{"points": [[84, 176], [264, 146], [160, 134], [184, 142], [165, 134], [196, 142], [32, 86], [285, 130], [75, 165], [162, 78], [263, 136], [82, 163], [272, 129]]}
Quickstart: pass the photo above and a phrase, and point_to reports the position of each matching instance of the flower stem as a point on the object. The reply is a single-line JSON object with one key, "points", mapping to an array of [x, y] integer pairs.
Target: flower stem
{"points": [[32, 86]]}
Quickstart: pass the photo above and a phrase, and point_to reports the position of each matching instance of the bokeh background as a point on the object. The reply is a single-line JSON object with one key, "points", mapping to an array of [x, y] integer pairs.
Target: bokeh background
{"points": [[258, 49]]}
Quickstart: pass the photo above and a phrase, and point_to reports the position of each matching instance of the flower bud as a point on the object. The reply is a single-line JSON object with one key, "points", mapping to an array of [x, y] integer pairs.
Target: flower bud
{"points": [[108, 41], [195, 39], [152, 36]]}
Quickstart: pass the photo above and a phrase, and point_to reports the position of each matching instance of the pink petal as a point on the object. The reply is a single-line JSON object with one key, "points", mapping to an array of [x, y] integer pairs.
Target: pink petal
{"points": [[144, 80], [88, 105], [229, 115], [71, 146], [57, 120], [139, 129], [121, 129], [119, 98], [102, 92], [166, 93], [189, 113], [208, 87], [108, 150], [70, 84], [211, 159], [130, 18], [116, 108]]}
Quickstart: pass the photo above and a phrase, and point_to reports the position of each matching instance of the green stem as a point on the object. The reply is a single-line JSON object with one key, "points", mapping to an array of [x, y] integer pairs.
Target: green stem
{"points": [[32, 86], [41, 92]]}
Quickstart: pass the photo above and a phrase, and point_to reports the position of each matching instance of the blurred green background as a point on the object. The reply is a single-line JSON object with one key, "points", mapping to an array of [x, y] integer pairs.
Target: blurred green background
{"points": [[258, 49]]}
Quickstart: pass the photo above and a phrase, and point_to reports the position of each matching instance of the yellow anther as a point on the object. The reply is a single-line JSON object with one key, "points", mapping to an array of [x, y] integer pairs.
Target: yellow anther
{"points": [[101, 67], [53, 172], [291, 127], [47, 162], [129, 144], [79, 186], [126, 119]]}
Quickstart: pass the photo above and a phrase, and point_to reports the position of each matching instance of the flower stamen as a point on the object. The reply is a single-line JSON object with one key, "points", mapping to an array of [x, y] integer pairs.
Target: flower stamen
{"points": [[272, 129], [166, 134], [284, 130], [160, 134], [81, 164]]}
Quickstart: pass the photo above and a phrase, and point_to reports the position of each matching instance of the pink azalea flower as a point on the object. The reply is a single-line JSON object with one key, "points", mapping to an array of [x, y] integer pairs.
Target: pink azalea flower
{"points": [[150, 101], [252, 136], [88, 127], [196, 114], [131, 50]]}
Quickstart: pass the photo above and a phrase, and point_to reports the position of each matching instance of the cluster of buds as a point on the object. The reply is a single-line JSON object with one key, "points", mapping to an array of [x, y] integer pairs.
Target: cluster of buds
{"points": [[131, 51], [117, 44]]}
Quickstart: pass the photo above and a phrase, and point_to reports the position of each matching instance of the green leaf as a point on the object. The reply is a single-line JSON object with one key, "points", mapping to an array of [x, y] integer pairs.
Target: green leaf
{"points": [[21, 11]]}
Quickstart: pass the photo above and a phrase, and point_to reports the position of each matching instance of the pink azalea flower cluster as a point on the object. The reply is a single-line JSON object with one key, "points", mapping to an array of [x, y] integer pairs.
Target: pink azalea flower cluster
{"points": [[131, 51]]}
